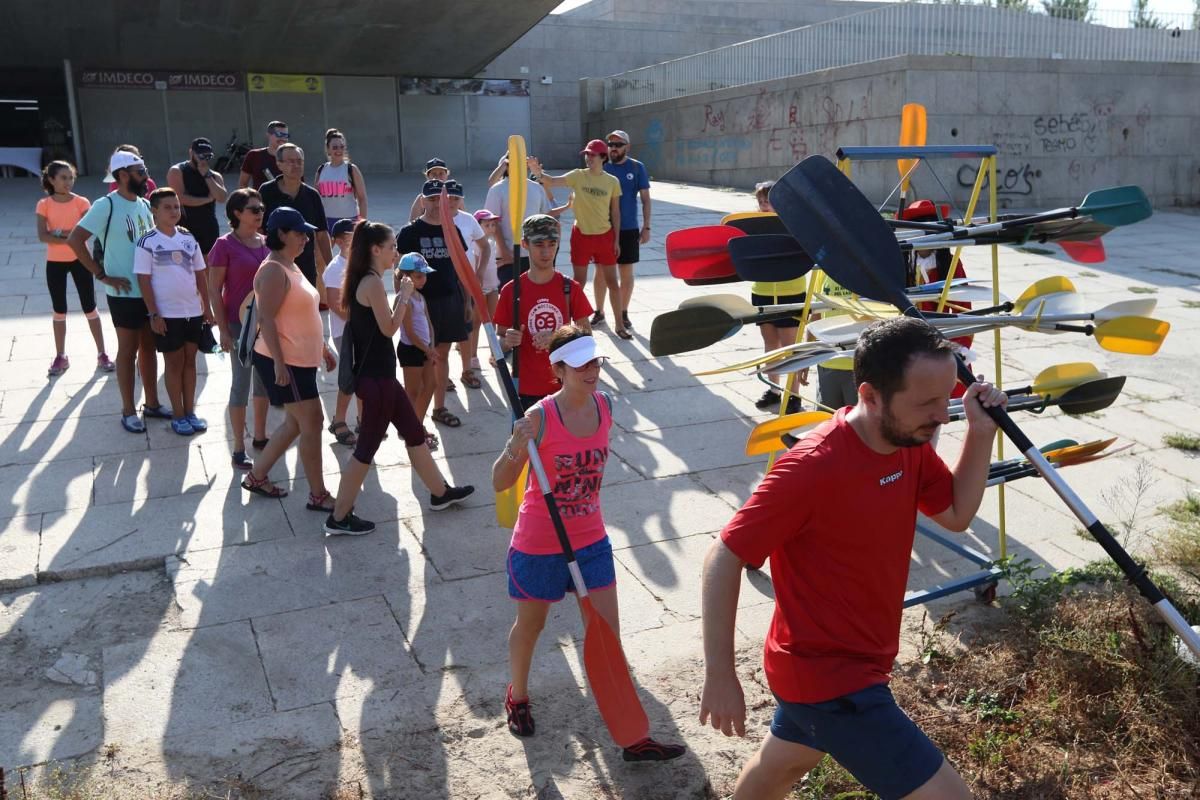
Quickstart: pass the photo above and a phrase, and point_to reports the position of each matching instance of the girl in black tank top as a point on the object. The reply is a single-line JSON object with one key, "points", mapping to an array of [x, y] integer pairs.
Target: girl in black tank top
{"points": [[384, 401]]}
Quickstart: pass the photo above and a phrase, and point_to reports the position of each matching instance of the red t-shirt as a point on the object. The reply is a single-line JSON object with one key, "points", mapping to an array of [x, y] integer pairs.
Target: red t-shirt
{"points": [[543, 308], [261, 166], [837, 520]]}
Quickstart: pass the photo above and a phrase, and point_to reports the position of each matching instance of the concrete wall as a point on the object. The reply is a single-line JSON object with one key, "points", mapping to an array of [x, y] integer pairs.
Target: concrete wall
{"points": [[1063, 127]]}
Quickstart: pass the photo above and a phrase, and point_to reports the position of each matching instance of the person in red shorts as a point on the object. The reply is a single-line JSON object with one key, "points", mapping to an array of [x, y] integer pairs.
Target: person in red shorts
{"points": [[840, 574], [597, 207], [549, 300]]}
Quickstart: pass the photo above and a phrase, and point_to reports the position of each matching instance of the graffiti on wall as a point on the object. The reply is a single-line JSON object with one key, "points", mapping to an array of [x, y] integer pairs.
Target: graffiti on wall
{"points": [[1011, 181]]}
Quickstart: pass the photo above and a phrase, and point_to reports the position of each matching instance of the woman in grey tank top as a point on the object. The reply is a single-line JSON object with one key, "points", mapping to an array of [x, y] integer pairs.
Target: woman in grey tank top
{"points": [[340, 183]]}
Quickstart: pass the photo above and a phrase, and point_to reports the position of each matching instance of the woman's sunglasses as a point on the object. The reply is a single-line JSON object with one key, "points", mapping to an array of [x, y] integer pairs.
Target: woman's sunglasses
{"points": [[255, 209]]}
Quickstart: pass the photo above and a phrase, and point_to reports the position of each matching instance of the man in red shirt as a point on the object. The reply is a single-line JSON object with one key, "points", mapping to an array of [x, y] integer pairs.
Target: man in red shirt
{"points": [[259, 165], [548, 299], [840, 574]]}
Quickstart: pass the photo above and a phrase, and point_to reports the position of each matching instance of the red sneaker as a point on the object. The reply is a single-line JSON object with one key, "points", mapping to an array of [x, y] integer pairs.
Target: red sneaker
{"points": [[520, 720]]}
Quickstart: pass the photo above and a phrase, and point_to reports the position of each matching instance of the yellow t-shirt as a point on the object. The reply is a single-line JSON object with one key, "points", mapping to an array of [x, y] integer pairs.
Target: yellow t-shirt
{"points": [[593, 199]]}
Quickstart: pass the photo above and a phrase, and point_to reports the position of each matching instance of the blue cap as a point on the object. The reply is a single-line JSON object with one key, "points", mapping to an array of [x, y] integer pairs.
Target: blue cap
{"points": [[435, 163], [432, 188], [286, 218], [414, 262], [343, 226], [454, 188]]}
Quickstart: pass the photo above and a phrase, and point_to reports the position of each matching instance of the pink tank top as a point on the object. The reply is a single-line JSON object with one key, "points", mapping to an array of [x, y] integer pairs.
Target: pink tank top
{"points": [[575, 467], [301, 334]]}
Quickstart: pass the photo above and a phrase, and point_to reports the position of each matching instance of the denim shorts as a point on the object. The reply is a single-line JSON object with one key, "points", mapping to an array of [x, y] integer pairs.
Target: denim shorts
{"points": [[868, 734], [546, 577]]}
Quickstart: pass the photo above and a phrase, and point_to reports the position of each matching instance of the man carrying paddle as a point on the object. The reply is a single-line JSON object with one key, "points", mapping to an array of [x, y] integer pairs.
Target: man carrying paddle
{"points": [[549, 300], [840, 579]]}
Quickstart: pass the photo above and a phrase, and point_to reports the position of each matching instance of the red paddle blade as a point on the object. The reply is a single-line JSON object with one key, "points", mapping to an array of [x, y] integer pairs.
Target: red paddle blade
{"points": [[697, 253], [1089, 252], [458, 256], [608, 675]]}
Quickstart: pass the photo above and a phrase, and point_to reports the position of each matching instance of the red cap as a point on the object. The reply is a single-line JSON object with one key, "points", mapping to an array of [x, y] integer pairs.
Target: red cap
{"points": [[596, 147], [923, 210]]}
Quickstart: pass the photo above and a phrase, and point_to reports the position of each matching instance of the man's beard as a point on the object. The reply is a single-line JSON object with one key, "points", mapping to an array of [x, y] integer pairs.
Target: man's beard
{"points": [[891, 432], [138, 187]]}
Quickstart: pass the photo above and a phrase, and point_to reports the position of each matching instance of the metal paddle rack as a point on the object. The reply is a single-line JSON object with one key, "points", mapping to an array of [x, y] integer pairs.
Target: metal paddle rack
{"points": [[983, 582]]}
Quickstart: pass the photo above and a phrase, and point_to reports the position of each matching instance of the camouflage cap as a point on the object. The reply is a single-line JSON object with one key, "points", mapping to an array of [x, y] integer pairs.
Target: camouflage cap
{"points": [[540, 227]]}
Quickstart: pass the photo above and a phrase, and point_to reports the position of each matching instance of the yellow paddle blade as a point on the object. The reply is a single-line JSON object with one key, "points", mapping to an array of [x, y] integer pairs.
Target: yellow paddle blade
{"points": [[1135, 336], [912, 134], [783, 353], [859, 306], [1053, 381], [508, 502], [1051, 285], [765, 436], [1079, 450], [516, 185], [735, 216]]}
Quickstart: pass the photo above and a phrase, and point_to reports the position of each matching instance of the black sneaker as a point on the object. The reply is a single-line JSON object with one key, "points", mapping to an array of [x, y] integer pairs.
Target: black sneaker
{"points": [[649, 750], [769, 398], [794, 405], [520, 719], [350, 525], [453, 496]]}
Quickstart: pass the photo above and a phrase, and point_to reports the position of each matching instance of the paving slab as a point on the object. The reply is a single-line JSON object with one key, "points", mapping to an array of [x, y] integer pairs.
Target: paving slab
{"points": [[20, 542]]}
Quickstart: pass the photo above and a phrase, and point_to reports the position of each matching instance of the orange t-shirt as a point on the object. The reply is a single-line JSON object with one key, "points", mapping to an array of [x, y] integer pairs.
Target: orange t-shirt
{"points": [[64, 216]]}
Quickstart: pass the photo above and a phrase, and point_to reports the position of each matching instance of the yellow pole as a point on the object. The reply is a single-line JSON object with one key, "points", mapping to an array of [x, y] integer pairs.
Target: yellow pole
{"points": [[998, 378]]}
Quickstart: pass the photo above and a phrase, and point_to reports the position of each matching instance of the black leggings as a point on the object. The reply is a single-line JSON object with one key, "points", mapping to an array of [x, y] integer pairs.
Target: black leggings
{"points": [[384, 403], [56, 282]]}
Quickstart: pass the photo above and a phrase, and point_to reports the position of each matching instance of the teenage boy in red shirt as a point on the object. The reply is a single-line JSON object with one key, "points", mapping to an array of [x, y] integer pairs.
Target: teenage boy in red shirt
{"points": [[840, 574], [549, 300]]}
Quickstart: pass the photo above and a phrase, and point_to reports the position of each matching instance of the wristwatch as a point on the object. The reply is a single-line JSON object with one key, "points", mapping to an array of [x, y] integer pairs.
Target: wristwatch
{"points": [[153, 315]]}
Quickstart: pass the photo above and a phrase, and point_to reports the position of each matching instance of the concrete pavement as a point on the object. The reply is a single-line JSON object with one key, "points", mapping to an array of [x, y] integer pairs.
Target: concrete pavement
{"points": [[158, 620]]}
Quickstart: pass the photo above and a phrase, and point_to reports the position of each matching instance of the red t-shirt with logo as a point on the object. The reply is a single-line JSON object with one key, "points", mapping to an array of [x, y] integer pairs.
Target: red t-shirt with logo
{"points": [[543, 308], [837, 521]]}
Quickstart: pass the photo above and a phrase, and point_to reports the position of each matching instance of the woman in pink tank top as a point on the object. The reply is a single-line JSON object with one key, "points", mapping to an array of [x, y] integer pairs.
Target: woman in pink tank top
{"points": [[570, 428], [289, 349]]}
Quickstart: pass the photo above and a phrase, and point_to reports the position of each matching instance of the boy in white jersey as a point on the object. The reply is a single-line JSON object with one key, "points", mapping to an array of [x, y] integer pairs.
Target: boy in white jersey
{"points": [[169, 267]]}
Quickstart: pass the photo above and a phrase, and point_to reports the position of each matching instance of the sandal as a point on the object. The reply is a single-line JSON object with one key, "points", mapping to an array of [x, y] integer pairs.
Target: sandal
{"points": [[345, 436], [431, 441], [624, 334], [322, 502], [443, 416], [471, 380], [259, 444], [450, 387], [262, 486], [158, 412]]}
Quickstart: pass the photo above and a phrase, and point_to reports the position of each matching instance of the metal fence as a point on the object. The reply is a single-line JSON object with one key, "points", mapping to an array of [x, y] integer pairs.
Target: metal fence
{"points": [[909, 29]]}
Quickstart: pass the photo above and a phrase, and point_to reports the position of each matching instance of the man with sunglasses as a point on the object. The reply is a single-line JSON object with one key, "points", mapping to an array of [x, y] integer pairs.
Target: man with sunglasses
{"points": [[200, 188], [118, 220], [259, 165], [635, 183]]}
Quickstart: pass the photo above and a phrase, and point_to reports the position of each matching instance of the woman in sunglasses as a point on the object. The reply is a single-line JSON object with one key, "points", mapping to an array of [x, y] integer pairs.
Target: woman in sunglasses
{"points": [[232, 264], [571, 430]]}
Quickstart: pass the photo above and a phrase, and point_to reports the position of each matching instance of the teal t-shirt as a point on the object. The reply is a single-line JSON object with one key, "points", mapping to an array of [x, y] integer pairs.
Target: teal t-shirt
{"points": [[130, 221]]}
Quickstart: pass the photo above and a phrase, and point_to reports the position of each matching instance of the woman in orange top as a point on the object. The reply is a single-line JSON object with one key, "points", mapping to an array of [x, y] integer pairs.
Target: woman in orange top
{"points": [[289, 349], [57, 214]]}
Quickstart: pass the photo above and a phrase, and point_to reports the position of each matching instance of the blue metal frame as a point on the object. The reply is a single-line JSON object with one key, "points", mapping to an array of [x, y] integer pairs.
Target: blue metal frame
{"points": [[933, 151], [991, 574]]}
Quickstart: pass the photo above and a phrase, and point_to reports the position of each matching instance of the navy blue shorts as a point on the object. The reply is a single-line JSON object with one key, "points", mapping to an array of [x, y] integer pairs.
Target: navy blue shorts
{"points": [[546, 578], [868, 734]]}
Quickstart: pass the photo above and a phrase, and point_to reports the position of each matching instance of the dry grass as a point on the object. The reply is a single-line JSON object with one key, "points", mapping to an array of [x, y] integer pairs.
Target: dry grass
{"points": [[1077, 694]]}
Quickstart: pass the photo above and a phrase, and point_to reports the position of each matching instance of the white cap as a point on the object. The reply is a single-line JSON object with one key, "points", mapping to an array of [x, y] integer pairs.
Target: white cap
{"points": [[121, 159], [622, 135], [576, 352]]}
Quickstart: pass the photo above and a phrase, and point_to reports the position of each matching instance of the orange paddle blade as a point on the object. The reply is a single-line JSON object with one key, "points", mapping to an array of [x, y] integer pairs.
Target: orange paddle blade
{"points": [[608, 675], [912, 134]]}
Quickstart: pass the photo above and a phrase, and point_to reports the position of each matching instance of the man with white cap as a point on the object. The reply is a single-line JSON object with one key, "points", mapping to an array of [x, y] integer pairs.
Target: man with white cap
{"points": [[118, 220], [635, 183]]}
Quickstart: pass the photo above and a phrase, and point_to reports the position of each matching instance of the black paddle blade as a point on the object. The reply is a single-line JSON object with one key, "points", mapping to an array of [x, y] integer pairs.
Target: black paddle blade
{"points": [[693, 328], [758, 226], [712, 281], [771, 257], [836, 224], [1091, 396]]}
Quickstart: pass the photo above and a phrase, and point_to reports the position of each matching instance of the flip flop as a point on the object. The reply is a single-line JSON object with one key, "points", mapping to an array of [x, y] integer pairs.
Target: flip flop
{"points": [[157, 412]]}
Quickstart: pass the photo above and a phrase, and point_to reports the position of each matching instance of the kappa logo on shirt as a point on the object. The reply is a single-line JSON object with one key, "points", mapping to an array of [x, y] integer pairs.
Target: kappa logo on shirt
{"points": [[895, 476]]}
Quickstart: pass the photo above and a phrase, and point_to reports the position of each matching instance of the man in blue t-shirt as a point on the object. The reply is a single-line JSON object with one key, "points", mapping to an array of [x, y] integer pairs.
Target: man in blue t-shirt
{"points": [[118, 220], [635, 182]]}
